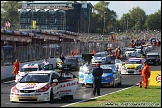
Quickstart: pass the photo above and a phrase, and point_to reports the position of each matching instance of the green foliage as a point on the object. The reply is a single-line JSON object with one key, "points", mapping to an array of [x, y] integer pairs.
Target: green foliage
{"points": [[10, 12], [153, 21]]}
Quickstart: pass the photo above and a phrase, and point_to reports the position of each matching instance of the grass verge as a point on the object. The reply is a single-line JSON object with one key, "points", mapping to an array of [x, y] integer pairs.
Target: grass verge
{"points": [[132, 97]]}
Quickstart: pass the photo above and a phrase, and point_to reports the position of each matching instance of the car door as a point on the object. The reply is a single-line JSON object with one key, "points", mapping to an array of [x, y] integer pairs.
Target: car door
{"points": [[55, 85]]}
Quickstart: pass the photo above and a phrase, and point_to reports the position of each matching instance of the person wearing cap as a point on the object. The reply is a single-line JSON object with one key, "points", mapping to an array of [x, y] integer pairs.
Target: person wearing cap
{"points": [[97, 74], [145, 74]]}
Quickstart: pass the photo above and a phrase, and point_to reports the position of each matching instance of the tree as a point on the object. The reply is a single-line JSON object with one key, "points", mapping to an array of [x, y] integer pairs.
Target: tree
{"points": [[100, 12], [138, 17], [153, 21], [10, 12]]}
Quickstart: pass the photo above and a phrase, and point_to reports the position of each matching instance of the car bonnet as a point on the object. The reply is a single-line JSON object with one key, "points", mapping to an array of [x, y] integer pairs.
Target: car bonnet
{"points": [[30, 86]]}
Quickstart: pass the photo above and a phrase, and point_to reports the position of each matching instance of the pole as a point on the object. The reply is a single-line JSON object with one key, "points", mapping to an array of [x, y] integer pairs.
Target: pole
{"points": [[89, 23], [104, 25]]}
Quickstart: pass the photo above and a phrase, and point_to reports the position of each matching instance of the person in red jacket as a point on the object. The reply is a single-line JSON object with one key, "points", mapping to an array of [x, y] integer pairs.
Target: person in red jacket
{"points": [[16, 68], [94, 52], [145, 74], [116, 53]]}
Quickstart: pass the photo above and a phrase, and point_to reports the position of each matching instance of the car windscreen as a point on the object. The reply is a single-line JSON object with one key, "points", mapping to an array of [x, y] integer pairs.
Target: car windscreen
{"points": [[71, 60], [152, 56], [36, 78], [130, 49], [100, 55], [133, 62], [28, 69], [107, 70]]}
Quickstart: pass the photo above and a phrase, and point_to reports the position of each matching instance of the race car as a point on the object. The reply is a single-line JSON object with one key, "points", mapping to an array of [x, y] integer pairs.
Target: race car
{"points": [[101, 57], [39, 86], [133, 66], [129, 51], [153, 58], [70, 63], [118, 64], [32, 67], [84, 71], [111, 77]]}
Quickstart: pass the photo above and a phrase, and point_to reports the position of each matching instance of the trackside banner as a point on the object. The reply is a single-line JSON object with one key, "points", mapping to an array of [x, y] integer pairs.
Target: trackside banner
{"points": [[155, 78]]}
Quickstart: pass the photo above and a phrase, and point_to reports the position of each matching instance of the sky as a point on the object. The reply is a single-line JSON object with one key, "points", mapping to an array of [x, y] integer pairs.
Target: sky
{"points": [[123, 7]]}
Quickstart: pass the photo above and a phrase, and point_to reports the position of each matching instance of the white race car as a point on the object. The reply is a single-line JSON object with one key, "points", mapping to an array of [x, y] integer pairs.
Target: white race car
{"points": [[101, 57], [32, 67], [38, 86], [27, 68], [129, 51], [118, 64]]}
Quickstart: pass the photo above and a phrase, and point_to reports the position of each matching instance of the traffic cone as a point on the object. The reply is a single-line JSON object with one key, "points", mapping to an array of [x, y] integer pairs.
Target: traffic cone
{"points": [[140, 84]]}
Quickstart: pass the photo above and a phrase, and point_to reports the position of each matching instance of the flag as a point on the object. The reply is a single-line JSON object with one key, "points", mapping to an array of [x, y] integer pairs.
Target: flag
{"points": [[34, 24]]}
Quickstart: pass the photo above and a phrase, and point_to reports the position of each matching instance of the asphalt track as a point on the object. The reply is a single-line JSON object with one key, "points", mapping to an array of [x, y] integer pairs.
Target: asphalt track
{"points": [[82, 93]]}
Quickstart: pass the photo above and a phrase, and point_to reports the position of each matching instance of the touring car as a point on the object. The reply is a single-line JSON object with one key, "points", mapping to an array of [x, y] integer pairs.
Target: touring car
{"points": [[132, 66], [153, 58], [32, 67], [39, 86], [84, 71], [111, 77], [101, 57], [129, 51], [70, 63]]}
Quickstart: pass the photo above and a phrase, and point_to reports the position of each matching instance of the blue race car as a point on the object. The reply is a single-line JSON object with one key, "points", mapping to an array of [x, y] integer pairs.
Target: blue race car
{"points": [[111, 77]]}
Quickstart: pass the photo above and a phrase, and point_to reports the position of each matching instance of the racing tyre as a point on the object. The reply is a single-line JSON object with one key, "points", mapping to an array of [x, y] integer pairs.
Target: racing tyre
{"points": [[157, 63], [51, 96], [113, 84], [63, 98], [120, 81]]}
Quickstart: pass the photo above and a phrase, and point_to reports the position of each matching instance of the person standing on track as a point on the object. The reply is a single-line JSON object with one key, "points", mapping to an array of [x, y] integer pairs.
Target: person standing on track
{"points": [[16, 68], [97, 74], [145, 74], [117, 53]]}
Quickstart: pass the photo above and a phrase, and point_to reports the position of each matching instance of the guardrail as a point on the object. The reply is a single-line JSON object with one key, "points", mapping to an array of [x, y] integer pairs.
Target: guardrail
{"points": [[38, 53]]}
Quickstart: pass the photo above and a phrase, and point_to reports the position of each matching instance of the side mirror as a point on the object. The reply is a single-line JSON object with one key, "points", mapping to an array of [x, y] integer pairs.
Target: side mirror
{"points": [[55, 80]]}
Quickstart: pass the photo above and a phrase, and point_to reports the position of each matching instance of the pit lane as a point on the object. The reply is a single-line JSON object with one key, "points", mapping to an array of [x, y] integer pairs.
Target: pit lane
{"points": [[82, 93]]}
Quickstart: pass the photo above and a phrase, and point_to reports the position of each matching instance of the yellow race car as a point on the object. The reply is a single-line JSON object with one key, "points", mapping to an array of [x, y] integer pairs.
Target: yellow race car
{"points": [[133, 66]]}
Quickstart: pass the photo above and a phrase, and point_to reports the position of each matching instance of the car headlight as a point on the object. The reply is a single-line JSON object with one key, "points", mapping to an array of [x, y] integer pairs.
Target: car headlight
{"points": [[103, 58], [124, 67], [138, 67], [107, 78], [156, 59]]}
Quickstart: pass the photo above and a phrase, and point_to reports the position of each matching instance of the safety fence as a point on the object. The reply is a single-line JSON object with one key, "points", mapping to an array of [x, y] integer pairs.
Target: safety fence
{"points": [[39, 52]]}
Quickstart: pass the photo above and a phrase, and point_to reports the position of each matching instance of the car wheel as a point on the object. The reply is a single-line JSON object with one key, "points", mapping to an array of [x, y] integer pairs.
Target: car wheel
{"points": [[113, 85], [63, 98], [156, 63], [51, 96], [120, 81]]}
